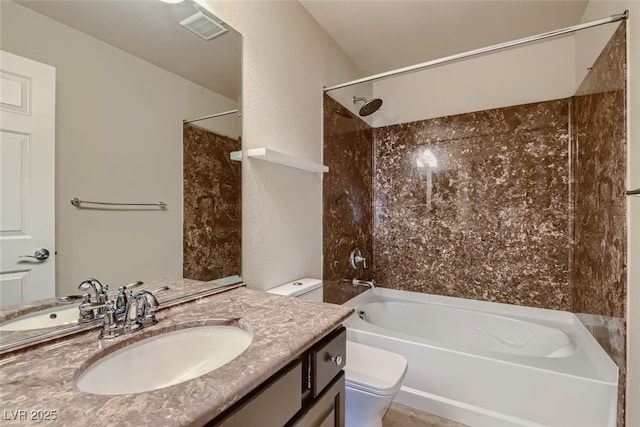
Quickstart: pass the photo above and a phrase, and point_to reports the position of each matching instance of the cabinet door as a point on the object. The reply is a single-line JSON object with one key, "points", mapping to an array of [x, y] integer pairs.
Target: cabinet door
{"points": [[272, 405], [327, 359], [327, 410]]}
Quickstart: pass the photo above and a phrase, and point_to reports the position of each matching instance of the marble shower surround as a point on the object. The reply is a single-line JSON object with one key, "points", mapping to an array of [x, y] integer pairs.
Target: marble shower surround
{"points": [[488, 218], [599, 276], [212, 205], [346, 199], [499, 222], [526, 230], [599, 250]]}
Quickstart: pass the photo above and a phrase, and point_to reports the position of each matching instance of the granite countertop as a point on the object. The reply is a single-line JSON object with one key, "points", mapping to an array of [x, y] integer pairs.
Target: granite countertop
{"points": [[41, 378]]}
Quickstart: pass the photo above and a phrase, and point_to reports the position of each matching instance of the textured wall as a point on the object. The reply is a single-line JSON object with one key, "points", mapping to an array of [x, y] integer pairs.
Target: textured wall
{"points": [[212, 205], [347, 200], [475, 205], [599, 125], [474, 225], [599, 252]]}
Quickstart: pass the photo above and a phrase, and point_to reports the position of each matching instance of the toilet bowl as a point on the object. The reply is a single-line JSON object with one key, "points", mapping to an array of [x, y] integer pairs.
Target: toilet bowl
{"points": [[372, 379], [372, 376]]}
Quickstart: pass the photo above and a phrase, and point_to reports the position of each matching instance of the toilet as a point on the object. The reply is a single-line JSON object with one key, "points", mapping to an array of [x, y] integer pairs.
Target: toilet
{"points": [[372, 376]]}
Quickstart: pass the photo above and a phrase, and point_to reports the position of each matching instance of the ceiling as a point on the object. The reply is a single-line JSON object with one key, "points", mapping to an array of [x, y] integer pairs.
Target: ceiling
{"points": [[151, 31], [381, 36], [377, 35]]}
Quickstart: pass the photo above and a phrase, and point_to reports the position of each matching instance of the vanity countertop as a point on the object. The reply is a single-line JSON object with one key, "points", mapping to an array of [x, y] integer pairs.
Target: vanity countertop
{"points": [[40, 380]]}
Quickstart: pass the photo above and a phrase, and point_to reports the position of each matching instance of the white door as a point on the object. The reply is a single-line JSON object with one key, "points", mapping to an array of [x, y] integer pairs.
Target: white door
{"points": [[27, 181]]}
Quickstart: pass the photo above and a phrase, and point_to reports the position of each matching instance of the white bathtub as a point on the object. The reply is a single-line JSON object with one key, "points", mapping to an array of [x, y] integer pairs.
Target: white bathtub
{"points": [[490, 364]]}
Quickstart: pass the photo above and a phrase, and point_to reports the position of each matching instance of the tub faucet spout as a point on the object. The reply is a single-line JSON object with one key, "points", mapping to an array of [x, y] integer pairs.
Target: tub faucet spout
{"points": [[367, 283]]}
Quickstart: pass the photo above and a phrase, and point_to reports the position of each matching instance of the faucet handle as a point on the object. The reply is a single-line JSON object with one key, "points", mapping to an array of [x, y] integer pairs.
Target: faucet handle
{"points": [[87, 308], [124, 294], [146, 304], [356, 257], [110, 324], [133, 284]]}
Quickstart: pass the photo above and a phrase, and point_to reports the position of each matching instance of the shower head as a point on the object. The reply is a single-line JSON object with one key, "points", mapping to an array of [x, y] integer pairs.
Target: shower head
{"points": [[370, 106]]}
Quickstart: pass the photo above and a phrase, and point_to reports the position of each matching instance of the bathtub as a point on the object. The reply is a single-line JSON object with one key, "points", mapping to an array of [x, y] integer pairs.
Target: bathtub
{"points": [[490, 364]]}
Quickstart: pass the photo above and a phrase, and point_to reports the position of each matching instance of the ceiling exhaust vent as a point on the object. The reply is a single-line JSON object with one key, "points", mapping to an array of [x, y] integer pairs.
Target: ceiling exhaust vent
{"points": [[203, 25]]}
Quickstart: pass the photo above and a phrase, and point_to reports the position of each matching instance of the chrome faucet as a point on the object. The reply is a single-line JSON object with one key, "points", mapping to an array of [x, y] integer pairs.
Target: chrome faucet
{"points": [[126, 313], [367, 283], [100, 292], [139, 312]]}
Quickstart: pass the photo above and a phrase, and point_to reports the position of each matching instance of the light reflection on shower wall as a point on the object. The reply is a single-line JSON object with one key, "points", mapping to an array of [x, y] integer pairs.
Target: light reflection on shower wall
{"points": [[476, 205]]}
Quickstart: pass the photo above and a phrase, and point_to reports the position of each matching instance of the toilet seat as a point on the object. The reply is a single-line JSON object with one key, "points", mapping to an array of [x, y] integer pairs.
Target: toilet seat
{"points": [[373, 370]]}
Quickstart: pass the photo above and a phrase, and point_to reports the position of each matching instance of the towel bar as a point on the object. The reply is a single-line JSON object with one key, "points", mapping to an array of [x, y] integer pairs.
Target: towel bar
{"points": [[76, 202]]}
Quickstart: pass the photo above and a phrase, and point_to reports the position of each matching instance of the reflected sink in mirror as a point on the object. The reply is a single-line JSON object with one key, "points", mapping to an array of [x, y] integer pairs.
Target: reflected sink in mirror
{"points": [[56, 316], [164, 360]]}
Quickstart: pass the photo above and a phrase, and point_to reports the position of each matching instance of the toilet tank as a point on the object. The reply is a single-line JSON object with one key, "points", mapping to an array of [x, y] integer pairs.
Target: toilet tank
{"points": [[309, 289]]}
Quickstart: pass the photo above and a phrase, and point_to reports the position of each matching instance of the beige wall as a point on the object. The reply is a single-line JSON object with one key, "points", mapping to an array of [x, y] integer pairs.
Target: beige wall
{"points": [[118, 138], [287, 59], [530, 73]]}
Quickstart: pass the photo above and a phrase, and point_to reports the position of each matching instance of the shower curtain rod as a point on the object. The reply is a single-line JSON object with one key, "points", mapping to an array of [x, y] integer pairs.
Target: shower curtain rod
{"points": [[612, 18], [211, 116]]}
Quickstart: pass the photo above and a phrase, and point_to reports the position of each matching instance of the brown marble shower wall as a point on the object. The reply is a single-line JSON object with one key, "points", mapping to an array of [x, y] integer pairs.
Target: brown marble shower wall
{"points": [[212, 205], [476, 205], [599, 250], [346, 199], [600, 242]]}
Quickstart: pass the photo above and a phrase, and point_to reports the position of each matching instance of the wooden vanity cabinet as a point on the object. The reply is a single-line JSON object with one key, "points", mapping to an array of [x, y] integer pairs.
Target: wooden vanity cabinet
{"points": [[309, 392]]}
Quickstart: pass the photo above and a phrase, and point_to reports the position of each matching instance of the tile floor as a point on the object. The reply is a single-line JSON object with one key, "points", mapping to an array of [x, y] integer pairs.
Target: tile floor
{"points": [[404, 416]]}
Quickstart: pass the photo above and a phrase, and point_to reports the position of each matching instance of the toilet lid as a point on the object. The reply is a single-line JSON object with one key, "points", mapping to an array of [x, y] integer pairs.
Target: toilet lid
{"points": [[372, 369]]}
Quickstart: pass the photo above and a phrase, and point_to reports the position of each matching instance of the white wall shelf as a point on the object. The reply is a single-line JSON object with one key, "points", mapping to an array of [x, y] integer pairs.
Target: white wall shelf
{"points": [[236, 155], [273, 156]]}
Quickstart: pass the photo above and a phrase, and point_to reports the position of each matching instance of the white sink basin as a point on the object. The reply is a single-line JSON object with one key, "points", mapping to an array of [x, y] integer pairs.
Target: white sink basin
{"points": [[56, 316], [164, 360]]}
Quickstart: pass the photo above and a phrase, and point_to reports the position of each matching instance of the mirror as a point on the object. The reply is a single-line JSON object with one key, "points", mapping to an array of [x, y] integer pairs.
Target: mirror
{"points": [[127, 75]]}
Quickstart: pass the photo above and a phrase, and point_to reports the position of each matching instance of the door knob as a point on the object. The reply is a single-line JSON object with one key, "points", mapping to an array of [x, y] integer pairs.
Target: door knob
{"points": [[40, 254]]}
